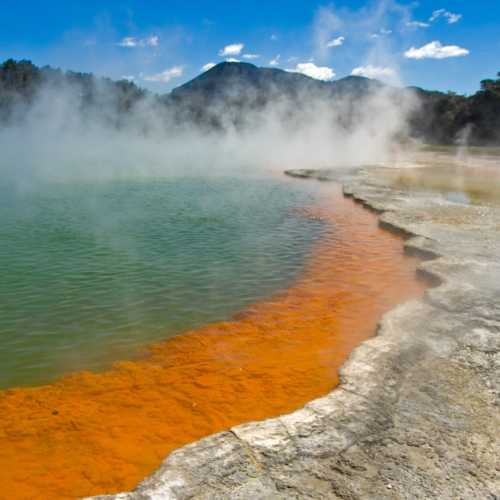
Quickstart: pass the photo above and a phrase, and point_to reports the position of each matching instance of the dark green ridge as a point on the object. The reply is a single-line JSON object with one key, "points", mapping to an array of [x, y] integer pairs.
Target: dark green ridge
{"points": [[230, 89]]}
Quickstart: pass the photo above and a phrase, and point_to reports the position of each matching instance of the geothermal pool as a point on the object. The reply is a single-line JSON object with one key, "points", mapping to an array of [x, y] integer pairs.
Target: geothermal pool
{"points": [[311, 272], [93, 271], [469, 185]]}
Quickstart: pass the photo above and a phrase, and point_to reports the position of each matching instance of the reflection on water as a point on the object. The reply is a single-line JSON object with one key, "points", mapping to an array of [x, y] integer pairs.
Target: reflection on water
{"points": [[460, 184], [92, 271]]}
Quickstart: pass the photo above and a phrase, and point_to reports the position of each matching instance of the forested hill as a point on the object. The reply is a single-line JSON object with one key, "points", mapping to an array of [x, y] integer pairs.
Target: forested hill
{"points": [[446, 118], [228, 90], [22, 81]]}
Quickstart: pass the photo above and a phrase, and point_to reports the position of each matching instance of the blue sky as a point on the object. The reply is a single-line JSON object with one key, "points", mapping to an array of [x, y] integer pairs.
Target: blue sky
{"points": [[444, 45]]}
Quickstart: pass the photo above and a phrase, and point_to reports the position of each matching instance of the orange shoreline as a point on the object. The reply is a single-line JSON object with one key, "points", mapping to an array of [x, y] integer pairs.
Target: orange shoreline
{"points": [[96, 433]]}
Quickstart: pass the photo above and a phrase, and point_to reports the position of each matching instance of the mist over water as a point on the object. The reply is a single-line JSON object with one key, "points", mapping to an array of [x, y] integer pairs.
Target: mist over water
{"points": [[123, 228], [62, 135], [92, 271]]}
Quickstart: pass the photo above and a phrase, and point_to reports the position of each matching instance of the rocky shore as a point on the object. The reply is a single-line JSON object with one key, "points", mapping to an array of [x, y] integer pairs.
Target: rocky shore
{"points": [[416, 415]]}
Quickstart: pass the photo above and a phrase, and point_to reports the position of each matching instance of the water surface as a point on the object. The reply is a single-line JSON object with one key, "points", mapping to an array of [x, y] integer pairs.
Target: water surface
{"points": [[95, 433], [475, 184], [90, 272]]}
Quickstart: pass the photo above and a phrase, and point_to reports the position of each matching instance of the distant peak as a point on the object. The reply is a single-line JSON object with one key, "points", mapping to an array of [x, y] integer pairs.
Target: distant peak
{"points": [[354, 78], [231, 64]]}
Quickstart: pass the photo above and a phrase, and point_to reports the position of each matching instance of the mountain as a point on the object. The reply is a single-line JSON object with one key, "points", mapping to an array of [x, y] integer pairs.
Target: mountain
{"points": [[229, 91], [240, 83], [225, 94], [229, 78], [439, 118], [235, 79]]}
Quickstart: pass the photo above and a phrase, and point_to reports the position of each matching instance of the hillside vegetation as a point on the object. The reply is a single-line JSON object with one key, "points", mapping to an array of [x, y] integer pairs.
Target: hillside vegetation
{"points": [[225, 93]]}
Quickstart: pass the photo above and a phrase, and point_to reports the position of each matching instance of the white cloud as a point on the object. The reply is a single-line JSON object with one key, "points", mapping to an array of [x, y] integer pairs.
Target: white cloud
{"points": [[130, 78], [232, 59], [436, 14], [370, 71], [128, 41], [417, 24], [251, 56], [435, 50], [233, 49], [207, 66], [132, 42], [275, 61], [381, 32], [165, 76], [453, 18], [152, 41], [318, 72], [449, 16], [335, 42]]}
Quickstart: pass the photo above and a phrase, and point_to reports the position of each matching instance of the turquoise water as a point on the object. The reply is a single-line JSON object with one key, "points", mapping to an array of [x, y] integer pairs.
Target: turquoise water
{"points": [[91, 272]]}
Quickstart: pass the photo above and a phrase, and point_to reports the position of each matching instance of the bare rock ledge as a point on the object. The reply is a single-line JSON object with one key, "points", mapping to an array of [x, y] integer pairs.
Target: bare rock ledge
{"points": [[417, 413]]}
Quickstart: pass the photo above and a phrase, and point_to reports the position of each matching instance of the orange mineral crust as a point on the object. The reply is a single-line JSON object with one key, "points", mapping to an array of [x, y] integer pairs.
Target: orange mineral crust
{"points": [[94, 433]]}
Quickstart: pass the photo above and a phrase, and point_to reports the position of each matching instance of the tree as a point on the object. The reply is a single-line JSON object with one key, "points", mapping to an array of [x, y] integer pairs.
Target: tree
{"points": [[490, 85]]}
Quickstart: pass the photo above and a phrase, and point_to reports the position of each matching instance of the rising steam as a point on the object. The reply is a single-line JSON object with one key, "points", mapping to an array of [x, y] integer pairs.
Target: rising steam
{"points": [[58, 137]]}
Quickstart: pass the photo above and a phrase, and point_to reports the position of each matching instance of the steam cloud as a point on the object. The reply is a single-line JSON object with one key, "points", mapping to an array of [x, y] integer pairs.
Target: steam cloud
{"points": [[58, 137]]}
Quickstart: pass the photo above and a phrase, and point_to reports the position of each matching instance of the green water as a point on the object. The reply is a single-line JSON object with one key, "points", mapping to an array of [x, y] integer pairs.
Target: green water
{"points": [[91, 272]]}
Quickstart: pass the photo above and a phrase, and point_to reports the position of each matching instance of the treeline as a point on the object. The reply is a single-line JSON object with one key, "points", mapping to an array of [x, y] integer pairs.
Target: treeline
{"points": [[21, 84], [441, 118], [447, 118]]}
